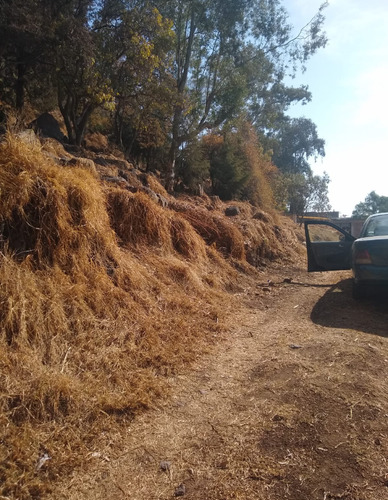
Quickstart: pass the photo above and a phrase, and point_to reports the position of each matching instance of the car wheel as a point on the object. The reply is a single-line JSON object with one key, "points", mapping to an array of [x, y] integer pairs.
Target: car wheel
{"points": [[359, 291]]}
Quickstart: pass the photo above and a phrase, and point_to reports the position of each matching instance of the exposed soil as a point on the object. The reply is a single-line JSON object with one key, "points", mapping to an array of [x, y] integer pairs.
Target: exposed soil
{"points": [[291, 404]]}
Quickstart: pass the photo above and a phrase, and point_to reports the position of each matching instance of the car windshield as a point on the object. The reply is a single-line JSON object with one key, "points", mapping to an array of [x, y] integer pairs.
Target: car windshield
{"points": [[377, 226]]}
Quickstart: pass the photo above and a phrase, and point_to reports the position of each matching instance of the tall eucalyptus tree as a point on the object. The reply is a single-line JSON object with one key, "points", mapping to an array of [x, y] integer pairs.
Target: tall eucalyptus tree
{"points": [[231, 56]]}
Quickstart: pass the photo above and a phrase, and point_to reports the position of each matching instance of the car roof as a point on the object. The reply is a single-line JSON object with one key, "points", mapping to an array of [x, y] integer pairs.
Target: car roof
{"points": [[377, 215]]}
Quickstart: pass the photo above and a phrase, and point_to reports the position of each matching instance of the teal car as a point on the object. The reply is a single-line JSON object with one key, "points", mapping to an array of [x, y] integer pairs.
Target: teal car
{"points": [[331, 248]]}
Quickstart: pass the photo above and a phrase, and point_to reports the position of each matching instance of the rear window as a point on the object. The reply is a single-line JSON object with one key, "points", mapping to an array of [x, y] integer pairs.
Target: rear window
{"points": [[377, 226]]}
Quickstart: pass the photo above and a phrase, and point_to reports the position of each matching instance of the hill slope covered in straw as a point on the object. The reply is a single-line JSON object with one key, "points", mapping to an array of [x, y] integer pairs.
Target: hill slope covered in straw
{"points": [[104, 293]]}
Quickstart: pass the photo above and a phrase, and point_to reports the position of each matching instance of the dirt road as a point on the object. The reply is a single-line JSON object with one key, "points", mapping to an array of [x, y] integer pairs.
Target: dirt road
{"points": [[293, 404]]}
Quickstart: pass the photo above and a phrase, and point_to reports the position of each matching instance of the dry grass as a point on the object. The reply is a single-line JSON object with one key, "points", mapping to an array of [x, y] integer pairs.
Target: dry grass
{"points": [[96, 142], [214, 229], [86, 328], [139, 221], [253, 235], [103, 293]]}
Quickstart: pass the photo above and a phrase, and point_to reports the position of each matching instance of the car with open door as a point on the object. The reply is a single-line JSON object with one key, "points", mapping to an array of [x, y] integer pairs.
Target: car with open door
{"points": [[331, 248]]}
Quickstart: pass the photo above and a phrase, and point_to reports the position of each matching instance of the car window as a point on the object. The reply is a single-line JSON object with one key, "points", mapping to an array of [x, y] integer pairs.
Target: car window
{"points": [[378, 226], [321, 232]]}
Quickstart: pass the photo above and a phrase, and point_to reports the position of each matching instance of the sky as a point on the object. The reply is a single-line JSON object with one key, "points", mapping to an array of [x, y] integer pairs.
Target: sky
{"points": [[348, 80]]}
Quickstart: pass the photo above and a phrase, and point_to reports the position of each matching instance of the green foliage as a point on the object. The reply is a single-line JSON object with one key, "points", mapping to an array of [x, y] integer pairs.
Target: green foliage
{"points": [[372, 204], [142, 77], [298, 193], [239, 168], [227, 167], [23, 45], [294, 143], [193, 166], [92, 55], [230, 56], [165, 72]]}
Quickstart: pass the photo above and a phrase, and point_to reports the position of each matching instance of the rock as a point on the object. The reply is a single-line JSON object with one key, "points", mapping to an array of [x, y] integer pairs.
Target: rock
{"points": [[85, 163], [231, 211], [260, 215], [115, 180], [48, 126], [215, 202], [165, 465], [100, 160], [163, 201], [150, 193], [28, 137], [180, 490]]}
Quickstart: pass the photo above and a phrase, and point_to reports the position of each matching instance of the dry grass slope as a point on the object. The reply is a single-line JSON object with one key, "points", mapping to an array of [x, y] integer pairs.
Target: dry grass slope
{"points": [[103, 293]]}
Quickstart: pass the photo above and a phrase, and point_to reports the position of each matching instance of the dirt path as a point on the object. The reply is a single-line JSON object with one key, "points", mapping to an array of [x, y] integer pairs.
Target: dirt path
{"points": [[292, 405]]}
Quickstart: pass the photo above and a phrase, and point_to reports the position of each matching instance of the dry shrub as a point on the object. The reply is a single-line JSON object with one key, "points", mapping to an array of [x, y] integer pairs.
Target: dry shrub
{"points": [[54, 147], [214, 229], [185, 240], [264, 234], [96, 142], [138, 220], [269, 237], [156, 186], [52, 215], [85, 163], [246, 209]]}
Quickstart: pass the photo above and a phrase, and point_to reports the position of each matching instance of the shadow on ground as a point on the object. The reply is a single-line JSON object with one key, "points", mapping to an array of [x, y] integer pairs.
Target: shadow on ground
{"points": [[337, 309]]}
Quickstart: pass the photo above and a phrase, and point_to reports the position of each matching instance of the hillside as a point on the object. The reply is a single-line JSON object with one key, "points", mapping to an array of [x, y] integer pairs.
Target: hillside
{"points": [[108, 286]]}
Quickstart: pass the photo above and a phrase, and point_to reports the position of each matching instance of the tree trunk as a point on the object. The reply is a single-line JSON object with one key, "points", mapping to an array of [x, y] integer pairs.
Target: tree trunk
{"points": [[19, 86], [183, 72], [175, 143], [80, 125]]}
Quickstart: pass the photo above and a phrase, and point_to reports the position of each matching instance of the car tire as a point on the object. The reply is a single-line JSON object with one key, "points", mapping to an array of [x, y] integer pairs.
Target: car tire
{"points": [[359, 291]]}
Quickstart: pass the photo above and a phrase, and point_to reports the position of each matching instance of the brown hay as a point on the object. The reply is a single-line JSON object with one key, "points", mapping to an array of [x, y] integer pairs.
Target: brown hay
{"points": [[54, 147], [138, 220], [86, 328], [156, 186], [89, 329], [52, 215], [185, 240], [269, 238], [96, 142], [213, 229]]}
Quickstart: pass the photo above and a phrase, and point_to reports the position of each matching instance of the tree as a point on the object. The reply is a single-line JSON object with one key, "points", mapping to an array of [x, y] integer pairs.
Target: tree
{"points": [[82, 84], [298, 193], [239, 168], [372, 204], [136, 45], [123, 64], [23, 47], [230, 54], [205, 31], [52, 41], [294, 143], [92, 53]]}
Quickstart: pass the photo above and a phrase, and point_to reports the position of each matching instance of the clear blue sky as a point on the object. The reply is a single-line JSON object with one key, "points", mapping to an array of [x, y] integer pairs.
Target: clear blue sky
{"points": [[349, 83]]}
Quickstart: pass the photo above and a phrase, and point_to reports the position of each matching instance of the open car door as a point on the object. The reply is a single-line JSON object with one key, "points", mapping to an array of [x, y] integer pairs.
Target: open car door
{"points": [[328, 246]]}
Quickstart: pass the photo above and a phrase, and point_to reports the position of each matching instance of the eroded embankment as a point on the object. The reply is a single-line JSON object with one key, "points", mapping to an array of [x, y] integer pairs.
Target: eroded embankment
{"points": [[103, 294]]}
